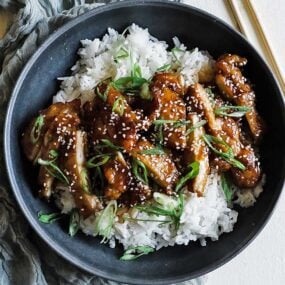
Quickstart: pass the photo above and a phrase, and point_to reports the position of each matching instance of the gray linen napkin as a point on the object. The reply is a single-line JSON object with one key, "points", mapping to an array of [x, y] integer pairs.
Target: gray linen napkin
{"points": [[24, 258]]}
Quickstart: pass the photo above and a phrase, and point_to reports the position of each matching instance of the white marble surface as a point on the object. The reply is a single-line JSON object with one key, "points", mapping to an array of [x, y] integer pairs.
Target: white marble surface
{"points": [[263, 261]]}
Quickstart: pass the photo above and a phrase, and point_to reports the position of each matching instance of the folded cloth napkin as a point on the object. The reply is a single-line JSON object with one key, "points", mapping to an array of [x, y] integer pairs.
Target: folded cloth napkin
{"points": [[24, 258]]}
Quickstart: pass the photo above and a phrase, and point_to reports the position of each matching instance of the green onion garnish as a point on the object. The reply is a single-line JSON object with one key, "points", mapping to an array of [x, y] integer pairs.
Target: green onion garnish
{"points": [[129, 83], [135, 252], [153, 151], [145, 92], [105, 220], [146, 220], [122, 53], [174, 52], [165, 205], [53, 170], [105, 143], [49, 218], [236, 111], [198, 125], [53, 154], [119, 106], [227, 187], [102, 96], [85, 180], [136, 71], [175, 123], [193, 172], [165, 67], [36, 130], [98, 160], [228, 155], [139, 170], [74, 223], [98, 176]]}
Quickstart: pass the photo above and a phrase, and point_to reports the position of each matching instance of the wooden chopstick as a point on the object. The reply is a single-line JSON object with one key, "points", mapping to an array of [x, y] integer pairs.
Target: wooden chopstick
{"points": [[263, 39], [237, 15]]}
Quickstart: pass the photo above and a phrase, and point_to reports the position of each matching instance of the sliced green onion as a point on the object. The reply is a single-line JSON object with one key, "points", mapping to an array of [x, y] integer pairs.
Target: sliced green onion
{"points": [[54, 170], [146, 220], [193, 172], [136, 71], [122, 53], [100, 176], [105, 220], [153, 151], [98, 160], [53, 154], [175, 123], [165, 206], [140, 170], [102, 96], [135, 252], [124, 84], [236, 111], [145, 92], [168, 202], [196, 126], [36, 130], [227, 187], [174, 53], [74, 223], [165, 67], [105, 143], [85, 180], [228, 155], [49, 218], [162, 122], [119, 105]]}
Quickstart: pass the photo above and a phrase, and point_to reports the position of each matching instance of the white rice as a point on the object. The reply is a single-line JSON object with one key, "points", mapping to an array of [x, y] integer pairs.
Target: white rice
{"points": [[97, 63], [202, 217]]}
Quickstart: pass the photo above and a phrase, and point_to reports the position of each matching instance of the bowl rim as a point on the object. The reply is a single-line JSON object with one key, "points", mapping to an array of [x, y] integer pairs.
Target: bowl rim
{"points": [[11, 173]]}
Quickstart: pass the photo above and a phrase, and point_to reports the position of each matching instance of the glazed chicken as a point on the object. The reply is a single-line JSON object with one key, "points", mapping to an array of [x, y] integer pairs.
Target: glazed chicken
{"points": [[226, 129], [234, 86], [197, 150], [167, 89], [141, 144], [59, 148]]}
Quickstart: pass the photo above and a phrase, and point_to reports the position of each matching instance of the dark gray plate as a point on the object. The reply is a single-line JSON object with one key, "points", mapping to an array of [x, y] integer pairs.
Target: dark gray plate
{"points": [[38, 83]]}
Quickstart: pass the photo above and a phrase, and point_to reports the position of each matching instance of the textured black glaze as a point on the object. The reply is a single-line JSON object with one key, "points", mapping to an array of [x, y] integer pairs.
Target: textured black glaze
{"points": [[38, 83]]}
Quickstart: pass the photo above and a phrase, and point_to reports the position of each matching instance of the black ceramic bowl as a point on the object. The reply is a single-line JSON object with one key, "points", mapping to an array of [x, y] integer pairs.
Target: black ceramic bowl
{"points": [[38, 83]]}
